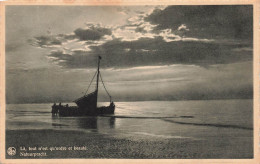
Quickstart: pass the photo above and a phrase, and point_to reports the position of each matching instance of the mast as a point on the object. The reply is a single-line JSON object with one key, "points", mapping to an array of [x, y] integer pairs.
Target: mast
{"points": [[99, 58]]}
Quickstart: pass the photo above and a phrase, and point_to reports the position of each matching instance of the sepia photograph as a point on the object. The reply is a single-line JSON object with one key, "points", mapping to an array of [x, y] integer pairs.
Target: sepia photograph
{"points": [[129, 81]]}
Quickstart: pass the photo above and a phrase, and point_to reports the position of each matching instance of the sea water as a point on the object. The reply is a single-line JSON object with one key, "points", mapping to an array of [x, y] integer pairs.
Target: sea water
{"points": [[196, 119]]}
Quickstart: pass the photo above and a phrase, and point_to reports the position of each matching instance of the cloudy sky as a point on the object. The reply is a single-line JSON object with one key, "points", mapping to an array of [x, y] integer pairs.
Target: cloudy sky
{"points": [[148, 52]]}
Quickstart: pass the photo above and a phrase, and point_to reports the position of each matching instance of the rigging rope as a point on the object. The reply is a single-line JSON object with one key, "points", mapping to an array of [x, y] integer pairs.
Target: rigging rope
{"points": [[104, 86], [90, 83]]}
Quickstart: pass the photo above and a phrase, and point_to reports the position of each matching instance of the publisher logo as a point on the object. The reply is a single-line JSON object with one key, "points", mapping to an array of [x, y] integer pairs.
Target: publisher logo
{"points": [[11, 151]]}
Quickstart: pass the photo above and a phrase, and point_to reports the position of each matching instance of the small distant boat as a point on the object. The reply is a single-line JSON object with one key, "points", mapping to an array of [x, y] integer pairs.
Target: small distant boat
{"points": [[87, 104]]}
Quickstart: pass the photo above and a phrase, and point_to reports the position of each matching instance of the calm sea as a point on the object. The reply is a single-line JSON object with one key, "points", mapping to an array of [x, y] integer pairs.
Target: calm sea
{"points": [[147, 119]]}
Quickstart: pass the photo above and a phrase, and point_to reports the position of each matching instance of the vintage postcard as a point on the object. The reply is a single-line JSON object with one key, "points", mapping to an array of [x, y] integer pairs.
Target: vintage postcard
{"points": [[129, 82]]}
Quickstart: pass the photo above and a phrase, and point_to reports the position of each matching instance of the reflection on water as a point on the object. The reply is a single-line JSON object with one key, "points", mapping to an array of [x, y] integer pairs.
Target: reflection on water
{"points": [[112, 122], [93, 123], [87, 122], [158, 119]]}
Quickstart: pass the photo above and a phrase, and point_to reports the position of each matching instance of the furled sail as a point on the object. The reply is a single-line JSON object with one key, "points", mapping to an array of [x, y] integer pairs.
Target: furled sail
{"points": [[87, 102]]}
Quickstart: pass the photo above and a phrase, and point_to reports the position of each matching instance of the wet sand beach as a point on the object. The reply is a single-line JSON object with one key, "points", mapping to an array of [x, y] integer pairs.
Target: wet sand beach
{"points": [[102, 146]]}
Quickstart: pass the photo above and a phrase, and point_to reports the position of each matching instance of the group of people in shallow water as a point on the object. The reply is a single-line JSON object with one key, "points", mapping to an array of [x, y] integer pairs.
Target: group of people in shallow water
{"points": [[55, 108]]}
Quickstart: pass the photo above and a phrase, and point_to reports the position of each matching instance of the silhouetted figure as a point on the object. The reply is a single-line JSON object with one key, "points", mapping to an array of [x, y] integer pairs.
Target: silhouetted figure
{"points": [[60, 104], [112, 104], [67, 105], [54, 110]]}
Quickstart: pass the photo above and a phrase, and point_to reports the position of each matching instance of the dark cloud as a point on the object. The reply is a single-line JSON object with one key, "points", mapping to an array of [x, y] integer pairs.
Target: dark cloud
{"points": [[78, 59], [68, 36], [93, 33], [227, 28], [149, 51], [42, 41], [234, 21], [140, 29]]}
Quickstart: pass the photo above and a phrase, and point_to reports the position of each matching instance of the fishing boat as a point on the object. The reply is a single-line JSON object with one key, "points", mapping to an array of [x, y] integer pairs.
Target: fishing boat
{"points": [[87, 104]]}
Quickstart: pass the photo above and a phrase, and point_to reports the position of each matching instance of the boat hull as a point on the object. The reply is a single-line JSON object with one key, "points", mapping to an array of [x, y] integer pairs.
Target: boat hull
{"points": [[76, 111], [106, 110]]}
